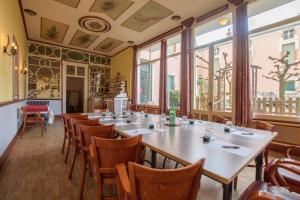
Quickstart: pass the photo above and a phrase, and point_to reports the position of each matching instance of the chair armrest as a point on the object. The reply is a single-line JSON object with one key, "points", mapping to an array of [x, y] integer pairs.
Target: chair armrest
{"points": [[123, 179], [288, 161], [276, 178], [288, 151], [263, 195]]}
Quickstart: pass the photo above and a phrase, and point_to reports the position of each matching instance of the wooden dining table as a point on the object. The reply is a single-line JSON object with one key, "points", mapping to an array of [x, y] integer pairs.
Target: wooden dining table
{"points": [[226, 155]]}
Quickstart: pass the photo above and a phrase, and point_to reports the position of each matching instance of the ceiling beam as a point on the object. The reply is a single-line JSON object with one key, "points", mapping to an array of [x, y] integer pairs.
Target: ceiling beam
{"points": [[212, 13]]}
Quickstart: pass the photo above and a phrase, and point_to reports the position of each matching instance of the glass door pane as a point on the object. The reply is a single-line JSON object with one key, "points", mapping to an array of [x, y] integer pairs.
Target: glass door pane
{"points": [[222, 84], [201, 77]]}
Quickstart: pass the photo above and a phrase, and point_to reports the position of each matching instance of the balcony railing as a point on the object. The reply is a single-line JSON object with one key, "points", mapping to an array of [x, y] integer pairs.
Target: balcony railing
{"points": [[290, 106]]}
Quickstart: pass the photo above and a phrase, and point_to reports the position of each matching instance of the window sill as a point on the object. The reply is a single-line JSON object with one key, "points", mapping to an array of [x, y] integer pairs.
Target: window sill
{"points": [[277, 118]]}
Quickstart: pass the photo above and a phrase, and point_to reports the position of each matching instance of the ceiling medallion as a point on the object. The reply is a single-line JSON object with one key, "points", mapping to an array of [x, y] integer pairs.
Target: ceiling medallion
{"points": [[94, 24]]}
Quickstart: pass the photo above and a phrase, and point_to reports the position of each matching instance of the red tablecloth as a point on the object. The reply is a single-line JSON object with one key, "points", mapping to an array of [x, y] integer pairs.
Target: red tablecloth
{"points": [[37, 108]]}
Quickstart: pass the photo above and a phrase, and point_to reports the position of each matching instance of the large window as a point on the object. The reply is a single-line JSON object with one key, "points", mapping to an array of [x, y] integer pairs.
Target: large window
{"points": [[173, 71], [213, 55], [148, 75], [275, 56]]}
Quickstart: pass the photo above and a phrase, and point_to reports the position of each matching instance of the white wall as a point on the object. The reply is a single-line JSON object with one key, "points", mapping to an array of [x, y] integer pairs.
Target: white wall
{"points": [[8, 124]]}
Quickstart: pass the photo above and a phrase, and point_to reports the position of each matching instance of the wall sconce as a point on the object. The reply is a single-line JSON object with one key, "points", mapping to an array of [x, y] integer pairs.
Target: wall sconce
{"points": [[10, 49], [24, 69]]}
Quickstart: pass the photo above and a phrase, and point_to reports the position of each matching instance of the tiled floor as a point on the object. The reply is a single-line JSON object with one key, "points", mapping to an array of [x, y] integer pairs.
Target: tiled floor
{"points": [[35, 171]]}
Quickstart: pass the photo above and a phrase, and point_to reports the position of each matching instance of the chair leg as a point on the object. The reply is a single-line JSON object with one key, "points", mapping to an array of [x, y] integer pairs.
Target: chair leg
{"points": [[235, 183], [176, 165], [42, 128], [76, 151], [23, 130], [82, 179], [68, 151], [266, 156], [164, 163], [64, 143]]}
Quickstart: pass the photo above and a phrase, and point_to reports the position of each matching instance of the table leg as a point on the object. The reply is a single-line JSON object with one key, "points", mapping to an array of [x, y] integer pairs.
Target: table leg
{"points": [[153, 159], [259, 167], [227, 191]]}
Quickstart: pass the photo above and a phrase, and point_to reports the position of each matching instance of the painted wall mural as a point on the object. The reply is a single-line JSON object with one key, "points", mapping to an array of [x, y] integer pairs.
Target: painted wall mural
{"points": [[108, 44], [82, 39], [112, 8], [151, 13], [44, 70], [53, 30]]}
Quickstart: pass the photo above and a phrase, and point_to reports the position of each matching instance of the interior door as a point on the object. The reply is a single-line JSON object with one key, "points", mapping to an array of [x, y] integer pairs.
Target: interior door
{"points": [[75, 87]]}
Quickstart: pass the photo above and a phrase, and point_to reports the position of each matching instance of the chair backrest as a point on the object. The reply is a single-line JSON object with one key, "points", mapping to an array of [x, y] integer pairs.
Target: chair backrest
{"points": [[265, 126], [221, 119], [110, 152], [191, 116], [68, 118], [150, 110], [176, 184], [86, 132], [76, 122]]}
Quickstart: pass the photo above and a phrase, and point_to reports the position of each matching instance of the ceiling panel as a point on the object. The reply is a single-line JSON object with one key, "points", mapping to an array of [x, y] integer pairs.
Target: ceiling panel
{"points": [[72, 3], [112, 8], [62, 21], [108, 44], [53, 30], [82, 39]]}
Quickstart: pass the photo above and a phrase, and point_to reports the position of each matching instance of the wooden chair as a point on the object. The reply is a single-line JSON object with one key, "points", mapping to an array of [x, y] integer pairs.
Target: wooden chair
{"points": [[106, 154], [220, 119], [66, 129], [76, 137], [34, 118], [85, 134], [261, 126], [284, 172], [145, 183], [152, 110], [192, 116], [259, 190], [70, 129]]}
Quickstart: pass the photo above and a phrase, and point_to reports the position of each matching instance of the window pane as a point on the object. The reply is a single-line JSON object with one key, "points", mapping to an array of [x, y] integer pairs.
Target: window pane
{"points": [[144, 55], [173, 81], [148, 83], [222, 85], [266, 12], [214, 30], [70, 70], [201, 84], [275, 79], [80, 71], [155, 51], [174, 45]]}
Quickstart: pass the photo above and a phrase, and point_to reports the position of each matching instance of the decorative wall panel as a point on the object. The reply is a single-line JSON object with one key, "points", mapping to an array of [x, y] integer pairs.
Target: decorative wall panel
{"points": [[99, 80], [78, 56], [44, 74], [43, 78]]}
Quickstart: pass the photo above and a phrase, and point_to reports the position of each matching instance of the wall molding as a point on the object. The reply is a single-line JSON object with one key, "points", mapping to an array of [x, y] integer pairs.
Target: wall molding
{"points": [[6, 103], [8, 149]]}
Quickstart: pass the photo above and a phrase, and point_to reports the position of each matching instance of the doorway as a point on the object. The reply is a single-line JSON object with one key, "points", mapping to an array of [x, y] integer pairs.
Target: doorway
{"points": [[75, 87]]}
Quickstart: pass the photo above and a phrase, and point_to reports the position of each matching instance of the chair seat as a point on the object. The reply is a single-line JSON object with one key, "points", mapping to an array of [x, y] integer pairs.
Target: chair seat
{"points": [[261, 189]]}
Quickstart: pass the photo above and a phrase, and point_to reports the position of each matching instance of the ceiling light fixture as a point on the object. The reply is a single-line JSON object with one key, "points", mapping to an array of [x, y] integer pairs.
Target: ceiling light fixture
{"points": [[30, 12], [224, 21], [130, 42], [176, 18]]}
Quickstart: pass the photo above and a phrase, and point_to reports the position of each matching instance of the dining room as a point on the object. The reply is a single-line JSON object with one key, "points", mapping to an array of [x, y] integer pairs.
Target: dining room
{"points": [[150, 99]]}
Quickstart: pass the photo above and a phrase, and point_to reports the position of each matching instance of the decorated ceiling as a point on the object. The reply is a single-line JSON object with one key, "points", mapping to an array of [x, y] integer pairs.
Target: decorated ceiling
{"points": [[106, 26]]}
